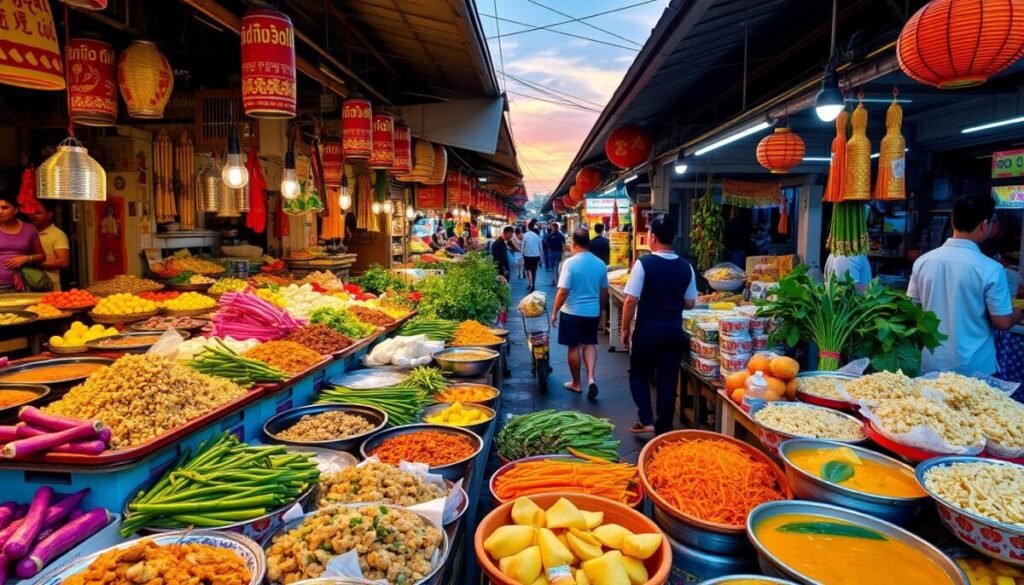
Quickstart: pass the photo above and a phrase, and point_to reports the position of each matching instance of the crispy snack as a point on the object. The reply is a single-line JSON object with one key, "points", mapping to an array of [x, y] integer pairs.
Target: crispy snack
{"points": [[999, 417], [901, 415], [817, 423], [881, 386], [320, 338], [377, 482], [990, 490], [287, 356], [822, 386], [147, 562], [371, 316], [474, 333], [326, 426]]}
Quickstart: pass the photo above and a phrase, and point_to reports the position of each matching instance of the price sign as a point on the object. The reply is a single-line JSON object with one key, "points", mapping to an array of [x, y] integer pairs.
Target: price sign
{"points": [[1009, 196], [1009, 163]]}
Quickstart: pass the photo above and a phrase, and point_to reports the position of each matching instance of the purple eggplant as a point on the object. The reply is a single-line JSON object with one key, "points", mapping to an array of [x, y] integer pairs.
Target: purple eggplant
{"points": [[22, 511], [39, 419], [75, 514], [64, 507], [18, 544], [8, 433], [25, 447], [62, 540], [92, 447], [7, 512]]}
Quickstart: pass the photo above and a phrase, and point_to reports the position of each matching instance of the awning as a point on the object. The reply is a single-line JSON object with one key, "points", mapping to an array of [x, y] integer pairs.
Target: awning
{"points": [[471, 124]]}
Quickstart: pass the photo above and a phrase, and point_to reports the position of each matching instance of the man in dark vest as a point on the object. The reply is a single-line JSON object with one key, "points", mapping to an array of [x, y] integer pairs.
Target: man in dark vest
{"points": [[660, 286]]}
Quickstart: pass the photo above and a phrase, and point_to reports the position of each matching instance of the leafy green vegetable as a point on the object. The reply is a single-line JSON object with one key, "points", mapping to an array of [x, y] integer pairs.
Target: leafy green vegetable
{"points": [[836, 471], [825, 528], [378, 280], [182, 277], [341, 321], [550, 431], [469, 289], [708, 225]]}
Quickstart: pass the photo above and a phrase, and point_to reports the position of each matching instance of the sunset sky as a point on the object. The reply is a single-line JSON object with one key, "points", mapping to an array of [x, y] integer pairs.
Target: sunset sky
{"points": [[557, 84]]}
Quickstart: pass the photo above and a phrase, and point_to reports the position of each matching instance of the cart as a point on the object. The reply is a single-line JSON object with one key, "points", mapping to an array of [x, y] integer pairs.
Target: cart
{"points": [[538, 331]]}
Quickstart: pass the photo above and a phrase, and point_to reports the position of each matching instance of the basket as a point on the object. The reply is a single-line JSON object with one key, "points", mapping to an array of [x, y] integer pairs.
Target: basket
{"points": [[188, 312], [192, 286], [117, 319], [67, 350]]}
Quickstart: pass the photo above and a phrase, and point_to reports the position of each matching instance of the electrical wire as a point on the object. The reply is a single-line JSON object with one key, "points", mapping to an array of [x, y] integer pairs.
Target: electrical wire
{"points": [[579, 19], [547, 88], [584, 23], [501, 56], [593, 40]]}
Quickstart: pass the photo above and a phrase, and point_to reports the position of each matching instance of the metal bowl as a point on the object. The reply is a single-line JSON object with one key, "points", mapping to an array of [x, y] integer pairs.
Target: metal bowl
{"points": [[817, 400], [368, 379], [772, 438], [192, 286], [465, 369], [64, 382], [500, 332], [695, 564], [772, 565], [431, 578], [730, 579], [250, 552], [452, 471], [489, 403], [635, 501], [727, 285], [41, 392], [116, 319], [808, 486], [992, 538], [450, 517], [479, 428], [286, 419], [28, 317], [18, 300], [139, 347], [200, 323]]}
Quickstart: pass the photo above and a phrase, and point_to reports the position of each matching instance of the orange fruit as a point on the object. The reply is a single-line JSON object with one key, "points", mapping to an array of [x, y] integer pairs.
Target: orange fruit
{"points": [[775, 386], [770, 396], [784, 367], [760, 362], [736, 380], [737, 395], [791, 389]]}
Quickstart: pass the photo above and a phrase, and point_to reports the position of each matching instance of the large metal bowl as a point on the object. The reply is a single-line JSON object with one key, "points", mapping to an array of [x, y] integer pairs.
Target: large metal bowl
{"points": [[281, 421], [28, 317], [992, 538], [58, 385], [41, 391], [141, 344], [730, 579], [808, 486], [772, 565], [479, 428], [636, 498], [771, 438], [489, 403], [452, 471], [465, 369], [817, 400]]}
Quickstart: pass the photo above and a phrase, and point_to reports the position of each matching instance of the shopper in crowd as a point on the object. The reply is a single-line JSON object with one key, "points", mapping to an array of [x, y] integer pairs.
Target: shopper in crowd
{"points": [[582, 291], [555, 245], [660, 286], [532, 248], [968, 292], [516, 246], [500, 251], [55, 243], [599, 246], [857, 267], [19, 242]]}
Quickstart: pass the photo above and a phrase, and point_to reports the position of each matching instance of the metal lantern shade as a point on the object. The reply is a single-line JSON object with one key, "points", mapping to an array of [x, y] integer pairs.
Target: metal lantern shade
{"points": [[403, 149], [70, 174], [229, 203], [242, 199], [356, 129], [628, 146], [952, 44], [780, 151], [210, 187], [334, 161], [92, 82], [145, 79], [383, 154], [29, 54], [588, 179], [268, 64]]}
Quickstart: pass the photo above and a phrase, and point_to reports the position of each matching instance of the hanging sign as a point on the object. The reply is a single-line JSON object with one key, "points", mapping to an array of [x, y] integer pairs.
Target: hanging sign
{"points": [[430, 197], [92, 82], [268, 64], [1009, 196], [334, 162], [356, 132], [1008, 163]]}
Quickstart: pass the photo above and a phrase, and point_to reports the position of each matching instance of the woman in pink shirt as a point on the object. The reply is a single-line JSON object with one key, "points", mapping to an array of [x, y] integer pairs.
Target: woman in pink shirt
{"points": [[19, 242]]}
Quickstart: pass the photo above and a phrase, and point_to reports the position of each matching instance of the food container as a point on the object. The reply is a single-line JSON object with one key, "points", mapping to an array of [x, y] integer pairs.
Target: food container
{"points": [[710, 536], [732, 579], [771, 565], [907, 452], [736, 344], [19, 300], [760, 291], [250, 552], [133, 342], [991, 538], [28, 317], [197, 325], [771, 438], [59, 385], [489, 403], [635, 501], [758, 342], [658, 565], [192, 286], [479, 428], [281, 421], [706, 332], [704, 350], [758, 324], [368, 379], [498, 331], [11, 412], [75, 349], [832, 403], [465, 368], [693, 565], [807, 486], [734, 325], [727, 285], [453, 471], [116, 319], [771, 325], [734, 361], [707, 368]]}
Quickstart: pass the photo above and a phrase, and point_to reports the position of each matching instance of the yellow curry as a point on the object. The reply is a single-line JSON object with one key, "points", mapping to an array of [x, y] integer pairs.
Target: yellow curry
{"points": [[835, 552], [843, 467]]}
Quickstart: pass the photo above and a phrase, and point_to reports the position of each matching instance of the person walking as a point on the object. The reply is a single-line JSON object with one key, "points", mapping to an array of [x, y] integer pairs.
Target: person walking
{"points": [[54, 241], [582, 291], [659, 288], [500, 252], [532, 248], [555, 245], [599, 246], [516, 246]]}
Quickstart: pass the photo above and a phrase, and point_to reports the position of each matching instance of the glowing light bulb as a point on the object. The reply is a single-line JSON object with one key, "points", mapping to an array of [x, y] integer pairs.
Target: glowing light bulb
{"points": [[410, 213], [388, 208], [235, 175], [289, 180], [344, 200], [375, 207]]}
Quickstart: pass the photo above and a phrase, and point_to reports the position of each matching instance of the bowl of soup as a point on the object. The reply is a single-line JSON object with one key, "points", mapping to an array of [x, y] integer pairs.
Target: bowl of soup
{"points": [[746, 580], [815, 543], [852, 477]]}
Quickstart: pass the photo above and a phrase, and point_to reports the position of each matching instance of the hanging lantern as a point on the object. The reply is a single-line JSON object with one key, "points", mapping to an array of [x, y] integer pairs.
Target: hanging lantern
{"points": [[229, 203], [383, 154], [403, 149], [588, 179], [356, 128], [146, 80], [952, 44], [268, 64], [87, 4], [29, 54], [858, 158], [573, 197], [440, 167], [210, 187], [70, 174], [92, 85], [628, 146], [453, 184], [465, 185], [334, 162], [780, 151], [892, 159], [243, 199]]}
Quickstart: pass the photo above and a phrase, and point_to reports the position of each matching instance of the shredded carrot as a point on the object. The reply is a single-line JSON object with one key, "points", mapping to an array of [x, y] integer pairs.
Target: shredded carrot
{"points": [[714, 481], [430, 447], [614, 481]]}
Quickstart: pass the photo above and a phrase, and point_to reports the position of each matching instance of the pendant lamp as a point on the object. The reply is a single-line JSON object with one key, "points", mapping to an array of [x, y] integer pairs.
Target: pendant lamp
{"points": [[29, 53], [209, 186], [70, 174], [146, 80]]}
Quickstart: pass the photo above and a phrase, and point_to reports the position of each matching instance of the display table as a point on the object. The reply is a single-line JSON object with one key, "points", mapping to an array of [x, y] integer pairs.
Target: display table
{"points": [[698, 396], [735, 422]]}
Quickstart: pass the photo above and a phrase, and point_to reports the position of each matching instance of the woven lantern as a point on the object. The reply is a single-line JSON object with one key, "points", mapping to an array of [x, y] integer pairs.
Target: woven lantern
{"points": [[383, 154], [780, 151], [440, 166], [628, 146], [70, 174], [146, 80], [588, 179], [92, 83], [890, 185], [29, 54], [858, 158], [268, 64], [334, 162], [356, 129], [952, 44], [210, 187], [243, 199], [403, 149]]}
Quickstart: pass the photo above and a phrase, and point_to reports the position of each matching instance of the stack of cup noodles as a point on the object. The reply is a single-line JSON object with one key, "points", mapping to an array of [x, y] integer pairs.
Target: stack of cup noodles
{"points": [[704, 348], [721, 342], [734, 341]]}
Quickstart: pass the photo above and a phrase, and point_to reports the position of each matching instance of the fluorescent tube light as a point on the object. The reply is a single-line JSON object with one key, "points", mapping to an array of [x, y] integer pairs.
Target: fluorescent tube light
{"points": [[631, 178], [731, 138], [817, 159], [990, 125]]}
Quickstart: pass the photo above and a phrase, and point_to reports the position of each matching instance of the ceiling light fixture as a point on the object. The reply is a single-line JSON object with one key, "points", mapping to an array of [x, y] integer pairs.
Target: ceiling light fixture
{"points": [[996, 124], [680, 165], [344, 199], [289, 180], [631, 178], [829, 101], [732, 138], [235, 175]]}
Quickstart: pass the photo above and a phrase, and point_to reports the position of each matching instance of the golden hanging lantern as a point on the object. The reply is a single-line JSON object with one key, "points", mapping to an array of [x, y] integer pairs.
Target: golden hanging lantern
{"points": [[146, 80], [440, 171], [242, 199], [209, 187], [858, 158], [29, 53], [891, 182], [70, 174]]}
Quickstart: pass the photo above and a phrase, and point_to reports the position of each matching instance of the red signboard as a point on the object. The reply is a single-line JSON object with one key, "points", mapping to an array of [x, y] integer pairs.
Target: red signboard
{"points": [[92, 83], [430, 197], [268, 64]]}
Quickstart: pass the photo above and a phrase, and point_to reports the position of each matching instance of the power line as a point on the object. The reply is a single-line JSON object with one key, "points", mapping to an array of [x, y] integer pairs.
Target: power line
{"points": [[501, 56], [555, 97], [587, 24], [558, 32], [580, 19], [557, 103], [531, 83]]}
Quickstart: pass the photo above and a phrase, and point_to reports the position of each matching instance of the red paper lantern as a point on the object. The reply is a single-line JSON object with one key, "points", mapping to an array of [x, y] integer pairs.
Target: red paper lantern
{"points": [[628, 146], [356, 128], [575, 196], [780, 151], [92, 82], [383, 154], [403, 149], [588, 179], [268, 64], [334, 161], [952, 44]]}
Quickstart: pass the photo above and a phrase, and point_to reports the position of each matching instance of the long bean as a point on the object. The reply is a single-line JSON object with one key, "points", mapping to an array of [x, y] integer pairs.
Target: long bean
{"points": [[403, 404], [225, 362]]}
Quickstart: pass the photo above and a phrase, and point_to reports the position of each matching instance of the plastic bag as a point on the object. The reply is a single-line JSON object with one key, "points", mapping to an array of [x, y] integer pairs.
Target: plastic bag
{"points": [[533, 304], [168, 344], [919, 437], [724, 271]]}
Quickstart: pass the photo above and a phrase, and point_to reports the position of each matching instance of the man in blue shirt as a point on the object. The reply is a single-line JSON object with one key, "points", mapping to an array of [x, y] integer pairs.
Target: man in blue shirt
{"points": [[582, 291]]}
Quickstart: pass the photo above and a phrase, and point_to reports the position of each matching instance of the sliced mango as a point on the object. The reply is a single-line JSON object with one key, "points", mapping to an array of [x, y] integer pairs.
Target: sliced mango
{"points": [[593, 519], [509, 540], [552, 552], [527, 513], [641, 546], [607, 569], [581, 577], [582, 549], [585, 536], [564, 541], [636, 570], [542, 580], [610, 535], [563, 514], [523, 567]]}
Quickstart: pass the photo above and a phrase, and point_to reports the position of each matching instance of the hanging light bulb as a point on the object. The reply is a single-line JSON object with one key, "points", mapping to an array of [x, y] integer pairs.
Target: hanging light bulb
{"points": [[829, 101], [344, 199], [375, 207], [289, 180], [388, 207], [410, 213], [235, 175]]}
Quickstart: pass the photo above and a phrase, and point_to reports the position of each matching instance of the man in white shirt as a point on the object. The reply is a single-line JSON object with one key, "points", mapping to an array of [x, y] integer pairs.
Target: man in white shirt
{"points": [[582, 291], [857, 267], [55, 243], [968, 292], [532, 250]]}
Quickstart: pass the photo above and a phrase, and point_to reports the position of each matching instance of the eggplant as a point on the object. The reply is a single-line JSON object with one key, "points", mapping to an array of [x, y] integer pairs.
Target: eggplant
{"points": [[18, 544], [62, 540], [93, 447], [25, 447], [7, 512]]}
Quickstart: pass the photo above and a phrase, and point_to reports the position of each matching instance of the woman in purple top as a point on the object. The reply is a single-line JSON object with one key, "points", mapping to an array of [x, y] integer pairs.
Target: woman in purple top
{"points": [[19, 241]]}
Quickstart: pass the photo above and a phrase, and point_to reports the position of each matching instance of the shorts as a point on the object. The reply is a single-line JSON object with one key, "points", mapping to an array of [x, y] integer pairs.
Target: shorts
{"points": [[531, 262], [575, 330]]}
